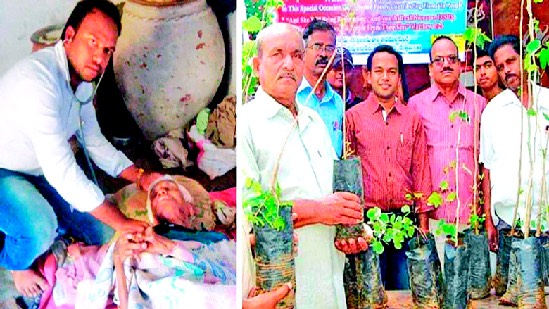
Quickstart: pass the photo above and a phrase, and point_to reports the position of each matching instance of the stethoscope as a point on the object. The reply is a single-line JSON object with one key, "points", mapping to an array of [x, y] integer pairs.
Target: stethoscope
{"points": [[79, 132]]}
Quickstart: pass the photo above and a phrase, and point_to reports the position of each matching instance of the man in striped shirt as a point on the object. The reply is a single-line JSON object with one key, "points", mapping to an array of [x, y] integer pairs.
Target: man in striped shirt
{"points": [[451, 116], [390, 140]]}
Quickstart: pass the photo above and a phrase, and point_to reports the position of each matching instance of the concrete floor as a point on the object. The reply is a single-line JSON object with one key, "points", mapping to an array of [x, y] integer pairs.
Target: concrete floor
{"points": [[7, 290]]}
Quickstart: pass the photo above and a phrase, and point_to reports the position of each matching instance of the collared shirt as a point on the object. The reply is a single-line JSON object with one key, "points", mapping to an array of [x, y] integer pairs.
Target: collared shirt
{"points": [[305, 172], [351, 100], [330, 108], [39, 112], [442, 140], [393, 153], [500, 151]]}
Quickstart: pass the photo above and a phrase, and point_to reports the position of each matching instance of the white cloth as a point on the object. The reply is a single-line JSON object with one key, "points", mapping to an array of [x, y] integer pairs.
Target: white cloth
{"points": [[305, 172], [38, 114], [158, 281], [500, 140], [212, 160]]}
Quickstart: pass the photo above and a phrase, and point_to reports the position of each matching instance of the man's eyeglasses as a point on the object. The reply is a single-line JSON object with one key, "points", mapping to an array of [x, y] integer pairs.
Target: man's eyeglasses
{"points": [[329, 49], [439, 61]]}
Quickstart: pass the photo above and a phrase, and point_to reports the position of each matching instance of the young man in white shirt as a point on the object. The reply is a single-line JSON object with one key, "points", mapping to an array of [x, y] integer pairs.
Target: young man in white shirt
{"points": [[44, 100]]}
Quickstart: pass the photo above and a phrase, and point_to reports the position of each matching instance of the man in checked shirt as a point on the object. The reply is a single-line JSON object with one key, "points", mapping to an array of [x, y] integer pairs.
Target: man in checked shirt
{"points": [[390, 140]]}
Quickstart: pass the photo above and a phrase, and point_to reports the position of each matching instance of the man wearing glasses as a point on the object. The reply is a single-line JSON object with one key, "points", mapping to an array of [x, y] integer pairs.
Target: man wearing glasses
{"points": [[320, 40], [450, 113]]}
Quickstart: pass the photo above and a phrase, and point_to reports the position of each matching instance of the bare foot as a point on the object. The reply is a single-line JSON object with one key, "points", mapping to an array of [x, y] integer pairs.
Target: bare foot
{"points": [[28, 282]]}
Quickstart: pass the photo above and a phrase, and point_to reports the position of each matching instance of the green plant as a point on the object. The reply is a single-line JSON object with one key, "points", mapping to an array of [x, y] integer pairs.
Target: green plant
{"points": [[262, 207], [389, 228]]}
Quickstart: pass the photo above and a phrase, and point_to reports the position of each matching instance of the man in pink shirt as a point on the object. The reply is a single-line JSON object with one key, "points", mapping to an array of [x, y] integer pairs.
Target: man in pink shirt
{"points": [[451, 116], [390, 140]]}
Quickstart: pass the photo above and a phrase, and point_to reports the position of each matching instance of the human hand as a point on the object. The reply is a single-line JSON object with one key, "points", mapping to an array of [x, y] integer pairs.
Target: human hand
{"points": [[157, 244], [131, 226], [267, 300], [129, 244], [146, 179], [354, 246], [492, 236], [341, 208]]}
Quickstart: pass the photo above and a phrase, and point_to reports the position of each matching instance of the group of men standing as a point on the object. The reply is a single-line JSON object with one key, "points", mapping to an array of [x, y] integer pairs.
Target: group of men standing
{"points": [[441, 140]]}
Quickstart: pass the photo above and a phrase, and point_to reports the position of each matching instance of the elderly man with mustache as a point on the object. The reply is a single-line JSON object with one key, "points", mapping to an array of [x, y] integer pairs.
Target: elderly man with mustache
{"points": [[303, 156], [500, 142], [320, 40], [446, 132]]}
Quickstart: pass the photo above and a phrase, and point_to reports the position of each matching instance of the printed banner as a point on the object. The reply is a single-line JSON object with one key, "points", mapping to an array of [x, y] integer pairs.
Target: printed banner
{"points": [[407, 25]]}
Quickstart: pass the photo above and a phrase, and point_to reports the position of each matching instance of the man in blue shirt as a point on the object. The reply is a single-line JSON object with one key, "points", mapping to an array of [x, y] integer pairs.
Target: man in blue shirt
{"points": [[320, 40]]}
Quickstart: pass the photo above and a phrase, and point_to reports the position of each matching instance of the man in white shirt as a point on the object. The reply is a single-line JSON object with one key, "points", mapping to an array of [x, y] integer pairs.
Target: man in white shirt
{"points": [[267, 131], [44, 100], [509, 115]]}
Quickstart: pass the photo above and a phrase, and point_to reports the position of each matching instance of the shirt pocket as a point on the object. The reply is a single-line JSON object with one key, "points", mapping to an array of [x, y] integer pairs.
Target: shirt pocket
{"points": [[404, 151]]}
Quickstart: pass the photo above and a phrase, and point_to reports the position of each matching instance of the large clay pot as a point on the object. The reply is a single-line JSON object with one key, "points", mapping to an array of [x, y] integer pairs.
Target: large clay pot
{"points": [[169, 62], [46, 36]]}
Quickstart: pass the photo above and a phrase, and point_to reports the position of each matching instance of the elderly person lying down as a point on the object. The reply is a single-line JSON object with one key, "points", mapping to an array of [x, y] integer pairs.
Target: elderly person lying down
{"points": [[149, 270]]}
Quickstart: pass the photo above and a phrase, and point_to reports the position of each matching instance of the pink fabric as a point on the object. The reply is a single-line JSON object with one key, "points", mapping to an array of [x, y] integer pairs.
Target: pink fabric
{"points": [[393, 154], [228, 196], [442, 135], [48, 267], [87, 260]]}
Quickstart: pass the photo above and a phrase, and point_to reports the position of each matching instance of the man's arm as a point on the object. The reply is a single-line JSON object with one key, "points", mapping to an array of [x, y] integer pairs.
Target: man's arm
{"points": [[486, 157], [421, 175], [336, 208], [487, 207], [143, 179], [112, 216]]}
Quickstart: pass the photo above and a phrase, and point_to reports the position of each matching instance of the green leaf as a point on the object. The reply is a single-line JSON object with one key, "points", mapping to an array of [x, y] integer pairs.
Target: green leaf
{"points": [[453, 116], [538, 1], [384, 217], [451, 197], [444, 185], [252, 24], [533, 46], [464, 116], [545, 116], [544, 58], [435, 199], [378, 228], [405, 209], [407, 221], [377, 246], [388, 236], [473, 219], [469, 34], [410, 231], [373, 213], [531, 112], [449, 229]]}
